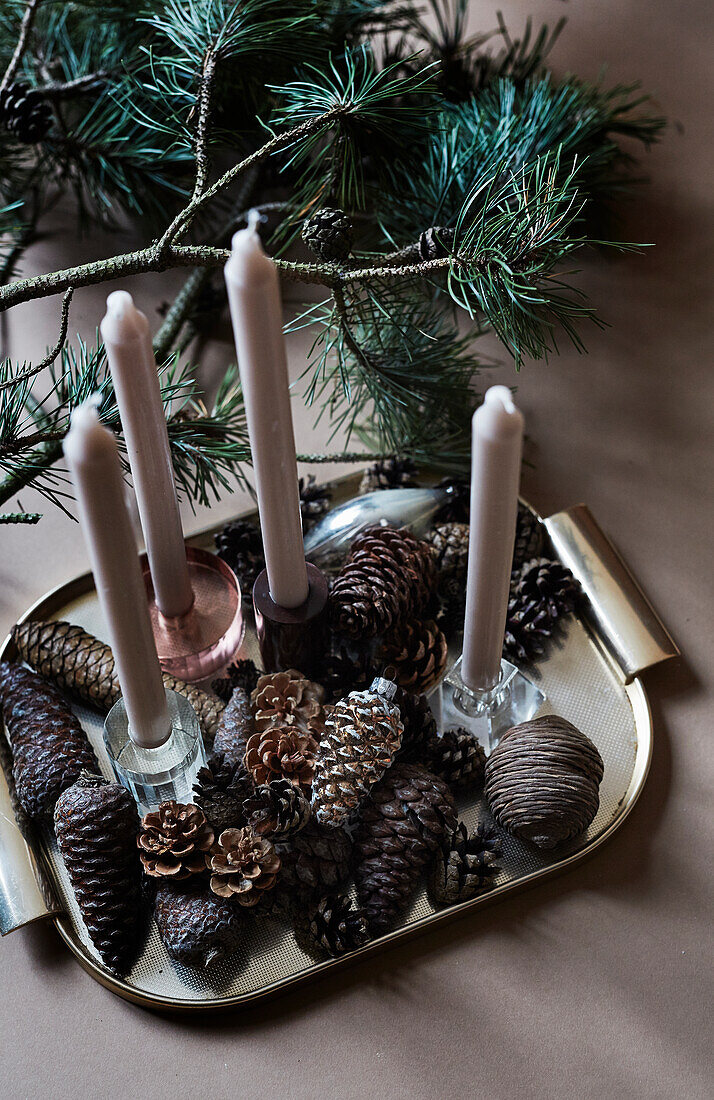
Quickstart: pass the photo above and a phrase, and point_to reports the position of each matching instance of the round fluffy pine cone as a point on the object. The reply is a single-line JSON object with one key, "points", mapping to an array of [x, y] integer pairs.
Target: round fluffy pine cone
{"points": [[277, 809], [415, 653], [329, 234], [403, 823], [281, 752], [315, 860], [331, 927], [216, 796], [173, 841], [362, 737], [389, 576], [243, 866], [287, 699], [241, 547], [196, 927], [542, 781], [389, 473], [96, 825], [465, 865], [457, 758], [234, 728], [241, 674]]}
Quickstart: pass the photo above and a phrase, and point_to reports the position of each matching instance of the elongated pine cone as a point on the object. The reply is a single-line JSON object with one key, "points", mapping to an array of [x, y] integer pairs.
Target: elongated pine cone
{"points": [[457, 758], [277, 809], [287, 699], [543, 779], [416, 652], [281, 753], [96, 825], [241, 674], [402, 824], [49, 747], [361, 739], [465, 864], [80, 664], [196, 927], [173, 841], [234, 728], [215, 795], [388, 578], [331, 927], [389, 473], [317, 859], [243, 866]]}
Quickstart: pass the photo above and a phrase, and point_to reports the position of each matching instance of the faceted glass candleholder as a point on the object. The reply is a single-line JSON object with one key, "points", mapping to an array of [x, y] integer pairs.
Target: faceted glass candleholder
{"points": [[153, 776], [195, 645], [488, 714]]}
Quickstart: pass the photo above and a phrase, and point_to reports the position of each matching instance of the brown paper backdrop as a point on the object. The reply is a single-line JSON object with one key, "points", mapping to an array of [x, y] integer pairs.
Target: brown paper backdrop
{"points": [[599, 984]]}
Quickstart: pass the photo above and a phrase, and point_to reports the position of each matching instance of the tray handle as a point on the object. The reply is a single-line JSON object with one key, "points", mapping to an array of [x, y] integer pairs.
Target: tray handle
{"points": [[25, 891], [617, 608]]}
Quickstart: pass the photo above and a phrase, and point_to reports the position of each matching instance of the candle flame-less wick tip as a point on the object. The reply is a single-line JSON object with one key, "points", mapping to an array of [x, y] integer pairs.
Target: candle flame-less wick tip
{"points": [[500, 395], [254, 219], [119, 302]]}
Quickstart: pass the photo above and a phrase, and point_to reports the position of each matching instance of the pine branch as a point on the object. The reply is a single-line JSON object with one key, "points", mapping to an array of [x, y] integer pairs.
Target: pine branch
{"points": [[26, 25], [51, 355]]}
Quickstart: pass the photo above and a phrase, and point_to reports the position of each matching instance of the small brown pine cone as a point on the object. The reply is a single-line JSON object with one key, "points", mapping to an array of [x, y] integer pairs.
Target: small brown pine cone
{"points": [[243, 866], [316, 859], [528, 628], [457, 758], [389, 473], [547, 583], [281, 753], [196, 927], [450, 546], [215, 795], [241, 674], [286, 699], [234, 728], [465, 864], [416, 654], [173, 840], [331, 927], [241, 547], [277, 809]]}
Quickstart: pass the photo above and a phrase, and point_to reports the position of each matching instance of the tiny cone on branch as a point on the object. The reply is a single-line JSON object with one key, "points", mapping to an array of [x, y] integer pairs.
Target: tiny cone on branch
{"points": [[329, 234], [416, 652], [196, 927], [465, 864], [173, 841], [243, 866], [281, 752]]}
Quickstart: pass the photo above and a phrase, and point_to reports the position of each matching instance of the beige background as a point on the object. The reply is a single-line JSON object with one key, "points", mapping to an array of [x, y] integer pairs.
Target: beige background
{"points": [[599, 984]]}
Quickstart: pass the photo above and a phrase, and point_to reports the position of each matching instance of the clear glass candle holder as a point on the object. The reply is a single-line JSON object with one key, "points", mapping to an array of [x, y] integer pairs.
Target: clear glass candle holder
{"points": [[153, 776], [489, 714]]}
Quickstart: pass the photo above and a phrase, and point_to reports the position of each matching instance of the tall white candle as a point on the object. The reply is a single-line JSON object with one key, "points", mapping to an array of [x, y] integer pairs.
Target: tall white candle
{"points": [[127, 339], [93, 460], [256, 312], [497, 442]]}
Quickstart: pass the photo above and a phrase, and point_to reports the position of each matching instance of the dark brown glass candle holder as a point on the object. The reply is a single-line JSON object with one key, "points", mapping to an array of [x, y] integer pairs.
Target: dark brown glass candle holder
{"points": [[292, 637]]}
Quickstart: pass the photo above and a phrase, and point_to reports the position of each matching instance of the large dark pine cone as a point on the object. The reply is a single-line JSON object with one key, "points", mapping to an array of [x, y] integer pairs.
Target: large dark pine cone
{"points": [[361, 739], [49, 747], [241, 674], [416, 715], [277, 809], [389, 473], [241, 546], [314, 500], [457, 758], [331, 927], [216, 796], [96, 824], [234, 728], [416, 653], [329, 234], [173, 841], [529, 537], [543, 779], [25, 113], [389, 577], [315, 860], [465, 864], [547, 583], [404, 822], [196, 927]]}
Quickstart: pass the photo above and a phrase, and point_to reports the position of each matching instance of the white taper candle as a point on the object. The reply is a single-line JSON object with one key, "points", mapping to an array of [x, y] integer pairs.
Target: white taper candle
{"points": [[497, 442], [256, 312], [127, 339], [93, 460]]}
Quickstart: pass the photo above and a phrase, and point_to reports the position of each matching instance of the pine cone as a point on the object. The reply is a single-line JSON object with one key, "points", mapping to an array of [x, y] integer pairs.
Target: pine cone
{"points": [[435, 242], [452, 604], [331, 927], [457, 509], [83, 666], [416, 652], [25, 113], [416, 715], [314, 501], [243, 865], [241, 674], [49, 747], [173, 841], [196, 927], [450, 545], [215, 796], [528, 628], [316, 859], [234, 728], [281, 752], [241, 546], [96, 825], [529, 537], [329, 234], [389, 577], [465, 865], [405, 820], [286, 699], [277, 809], [547, 583], [344, 671], [389, 473], [457, 758], [362, 737]]}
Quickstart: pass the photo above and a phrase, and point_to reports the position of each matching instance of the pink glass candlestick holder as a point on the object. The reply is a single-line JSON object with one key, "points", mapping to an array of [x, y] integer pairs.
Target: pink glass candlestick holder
{"points": [[195, 645]]}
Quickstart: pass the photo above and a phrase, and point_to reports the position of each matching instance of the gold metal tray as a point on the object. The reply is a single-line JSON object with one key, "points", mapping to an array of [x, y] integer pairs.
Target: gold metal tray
{"points": [[590, 675]]}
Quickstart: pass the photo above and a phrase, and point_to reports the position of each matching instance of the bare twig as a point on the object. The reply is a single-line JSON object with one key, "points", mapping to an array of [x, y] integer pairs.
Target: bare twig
{"points": [[56, 89], [53, 353], [346, 456], [28, 19], [20, 517]]}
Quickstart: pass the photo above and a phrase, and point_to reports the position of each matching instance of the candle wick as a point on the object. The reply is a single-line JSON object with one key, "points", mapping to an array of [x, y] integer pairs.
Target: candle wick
{"points": [[254, 219], [500, 394]]}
